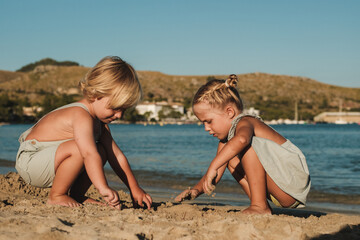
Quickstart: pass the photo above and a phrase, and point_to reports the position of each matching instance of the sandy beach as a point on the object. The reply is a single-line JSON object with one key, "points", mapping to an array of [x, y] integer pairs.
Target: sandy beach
{"points": [[25, 215]]}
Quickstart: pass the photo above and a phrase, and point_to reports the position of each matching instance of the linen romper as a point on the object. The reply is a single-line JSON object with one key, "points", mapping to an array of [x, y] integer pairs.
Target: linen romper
{"points": [[35, 161], [285, 164]]}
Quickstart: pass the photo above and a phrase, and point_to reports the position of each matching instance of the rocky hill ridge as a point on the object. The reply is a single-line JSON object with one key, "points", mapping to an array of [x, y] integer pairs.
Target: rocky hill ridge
{"points": [[270, 93]]}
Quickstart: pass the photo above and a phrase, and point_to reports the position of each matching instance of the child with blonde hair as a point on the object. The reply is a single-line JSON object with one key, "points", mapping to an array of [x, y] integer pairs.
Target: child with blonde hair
{"points": [[67, 148], [264, 163]]}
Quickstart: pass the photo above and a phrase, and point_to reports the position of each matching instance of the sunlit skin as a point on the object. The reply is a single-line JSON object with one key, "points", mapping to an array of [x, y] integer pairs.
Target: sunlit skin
{"points": [[82, 151], [238, 157]]}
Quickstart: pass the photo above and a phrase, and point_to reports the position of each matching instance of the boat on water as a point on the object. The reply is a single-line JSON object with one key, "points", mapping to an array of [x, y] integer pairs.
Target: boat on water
{"points": [[341, 121]]}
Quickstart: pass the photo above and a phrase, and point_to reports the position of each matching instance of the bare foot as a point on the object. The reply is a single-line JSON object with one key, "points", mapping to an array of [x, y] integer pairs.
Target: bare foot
{"points": [[93, 201], [83, 199], [253, 209], [87, 200], [63, 200]]}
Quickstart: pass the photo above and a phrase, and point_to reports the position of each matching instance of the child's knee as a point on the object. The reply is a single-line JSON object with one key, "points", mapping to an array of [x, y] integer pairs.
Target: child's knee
{"points": [[65, 150]]}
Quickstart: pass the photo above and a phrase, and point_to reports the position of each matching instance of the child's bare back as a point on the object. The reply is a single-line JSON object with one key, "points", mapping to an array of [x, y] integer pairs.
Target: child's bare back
{"points": [[59, 124]]}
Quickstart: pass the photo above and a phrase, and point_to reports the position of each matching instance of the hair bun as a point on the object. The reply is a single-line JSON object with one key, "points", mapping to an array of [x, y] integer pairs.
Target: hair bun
{"points": [[231, 81]]}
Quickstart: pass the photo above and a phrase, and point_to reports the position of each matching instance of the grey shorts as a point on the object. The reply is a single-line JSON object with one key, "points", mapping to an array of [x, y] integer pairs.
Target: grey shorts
{"points": [[35, 162]]}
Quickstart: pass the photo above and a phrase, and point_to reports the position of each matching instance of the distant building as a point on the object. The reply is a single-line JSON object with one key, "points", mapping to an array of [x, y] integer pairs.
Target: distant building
{"points": [[155, 108], [252, 111], [31, 111], [338, 117]]}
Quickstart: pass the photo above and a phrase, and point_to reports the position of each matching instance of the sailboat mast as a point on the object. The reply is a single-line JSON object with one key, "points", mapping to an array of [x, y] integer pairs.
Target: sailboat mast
{"points": [[296, 117]]}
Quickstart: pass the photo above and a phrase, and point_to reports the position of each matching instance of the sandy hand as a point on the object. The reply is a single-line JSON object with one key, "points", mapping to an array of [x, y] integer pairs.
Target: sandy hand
{"points": [[188, 194], [209, 182], [139, 197], [110, 196]]}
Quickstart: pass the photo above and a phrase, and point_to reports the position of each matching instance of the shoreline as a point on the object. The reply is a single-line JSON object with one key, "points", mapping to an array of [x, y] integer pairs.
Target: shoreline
{"points": [[160, 194], [225, 195], [24, 214]]}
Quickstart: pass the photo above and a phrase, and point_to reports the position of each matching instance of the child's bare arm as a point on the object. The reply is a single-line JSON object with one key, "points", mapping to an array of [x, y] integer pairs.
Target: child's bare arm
{"points": [[117, 160], [242, 139], [121, 167], [84, 138]]}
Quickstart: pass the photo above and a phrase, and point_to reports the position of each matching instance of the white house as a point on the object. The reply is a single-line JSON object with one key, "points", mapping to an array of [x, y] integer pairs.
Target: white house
{"points": [[155, 108]]}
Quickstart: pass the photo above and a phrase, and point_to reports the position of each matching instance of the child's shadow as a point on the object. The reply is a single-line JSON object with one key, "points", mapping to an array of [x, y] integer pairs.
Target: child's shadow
{"points": [[154, 206], [207, 207], [297, 212], [291, 212]]}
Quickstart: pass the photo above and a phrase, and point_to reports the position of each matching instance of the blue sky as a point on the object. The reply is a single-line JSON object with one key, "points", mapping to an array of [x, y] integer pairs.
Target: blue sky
{"points": [[319, 39]]}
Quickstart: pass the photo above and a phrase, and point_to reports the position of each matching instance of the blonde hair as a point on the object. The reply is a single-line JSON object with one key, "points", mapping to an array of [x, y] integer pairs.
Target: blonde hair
{"points": [[219, 93], [114, 78]]}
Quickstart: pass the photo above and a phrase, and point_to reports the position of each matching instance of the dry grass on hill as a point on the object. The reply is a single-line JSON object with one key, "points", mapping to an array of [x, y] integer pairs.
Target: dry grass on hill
{"points": [[257, 89]]}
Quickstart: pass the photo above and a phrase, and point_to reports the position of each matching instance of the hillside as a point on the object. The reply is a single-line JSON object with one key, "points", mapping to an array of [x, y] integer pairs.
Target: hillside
{"points": [[274, 95]]}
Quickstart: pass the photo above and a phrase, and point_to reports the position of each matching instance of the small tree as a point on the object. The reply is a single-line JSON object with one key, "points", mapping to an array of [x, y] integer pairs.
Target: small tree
{"points": [[132, 115]]}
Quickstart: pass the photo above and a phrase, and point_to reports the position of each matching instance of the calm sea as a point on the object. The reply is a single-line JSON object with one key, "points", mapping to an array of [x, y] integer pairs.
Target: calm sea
{"points": [[172, 157]]}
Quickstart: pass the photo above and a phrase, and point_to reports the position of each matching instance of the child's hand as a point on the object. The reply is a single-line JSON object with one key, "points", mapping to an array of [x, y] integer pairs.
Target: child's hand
{"points": [[139, 197], [111, 197], [209, 181], [188, 194]]}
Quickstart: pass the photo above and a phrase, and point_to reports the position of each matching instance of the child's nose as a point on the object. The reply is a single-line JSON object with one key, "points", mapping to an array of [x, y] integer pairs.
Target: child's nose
{"points": [[207, 128], [118, 114]]}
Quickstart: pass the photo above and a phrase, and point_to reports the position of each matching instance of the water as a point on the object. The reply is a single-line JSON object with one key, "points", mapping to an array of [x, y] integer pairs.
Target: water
{"points": [[174, 156]]}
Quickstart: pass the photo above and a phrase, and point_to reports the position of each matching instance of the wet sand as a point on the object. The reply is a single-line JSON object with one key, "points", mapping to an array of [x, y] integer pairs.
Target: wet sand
{"points": [[25, 215]]}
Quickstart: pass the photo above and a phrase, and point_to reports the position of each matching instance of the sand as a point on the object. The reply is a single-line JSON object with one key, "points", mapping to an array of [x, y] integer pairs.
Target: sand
{"points": [[25, 215]]}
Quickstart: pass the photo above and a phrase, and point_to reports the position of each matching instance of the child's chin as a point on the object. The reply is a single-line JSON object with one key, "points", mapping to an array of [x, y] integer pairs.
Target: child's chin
{"points": [[223, 139], [106, 121]]}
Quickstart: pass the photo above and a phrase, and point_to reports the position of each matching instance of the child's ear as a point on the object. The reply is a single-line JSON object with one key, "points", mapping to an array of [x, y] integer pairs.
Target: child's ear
{"points": [[230, 111]]}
